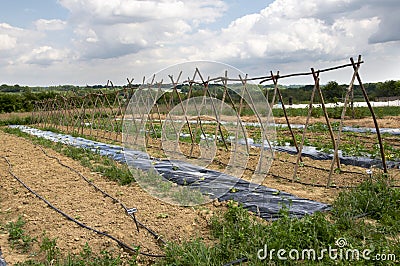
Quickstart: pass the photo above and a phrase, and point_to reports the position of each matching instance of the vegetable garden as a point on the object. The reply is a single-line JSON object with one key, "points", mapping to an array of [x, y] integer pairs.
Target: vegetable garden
{"points": [[221, 123], [108, 116]]}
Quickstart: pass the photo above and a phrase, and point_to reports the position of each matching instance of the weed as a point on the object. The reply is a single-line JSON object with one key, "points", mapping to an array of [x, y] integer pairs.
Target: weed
{"points": [[17, 236], [161, 187], [16, 121], [374, 198], [49, 247]]}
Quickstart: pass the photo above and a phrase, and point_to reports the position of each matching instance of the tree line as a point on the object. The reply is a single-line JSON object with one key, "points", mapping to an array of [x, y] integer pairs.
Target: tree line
{"points": [[334, 92], [15, 98]]}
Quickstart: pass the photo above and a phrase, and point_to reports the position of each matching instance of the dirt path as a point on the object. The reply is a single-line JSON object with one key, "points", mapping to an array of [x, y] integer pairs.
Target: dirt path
{"points": [[67, 191]]}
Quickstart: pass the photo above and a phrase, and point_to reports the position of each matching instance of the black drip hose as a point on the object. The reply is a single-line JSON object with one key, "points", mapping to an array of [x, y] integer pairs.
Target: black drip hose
{"points": [[119, 242], [244, 259], [96, 187], [128, 212]]}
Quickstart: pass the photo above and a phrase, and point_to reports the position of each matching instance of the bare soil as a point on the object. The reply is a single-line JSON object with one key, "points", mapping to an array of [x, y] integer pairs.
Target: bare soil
{"points": [[385, 122], [70, 193]]}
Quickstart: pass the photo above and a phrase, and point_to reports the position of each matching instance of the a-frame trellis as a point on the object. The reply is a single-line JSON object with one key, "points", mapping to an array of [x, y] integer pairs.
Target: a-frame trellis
{"points": [[100, 114], [349, 94]]}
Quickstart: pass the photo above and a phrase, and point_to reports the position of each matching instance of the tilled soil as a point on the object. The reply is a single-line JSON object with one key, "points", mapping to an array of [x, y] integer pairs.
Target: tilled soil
{"points": [[385, 122], [67, 191]]}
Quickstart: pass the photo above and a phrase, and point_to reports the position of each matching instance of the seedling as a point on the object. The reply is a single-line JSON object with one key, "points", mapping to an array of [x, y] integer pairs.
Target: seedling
{"points": [[17, 237]]}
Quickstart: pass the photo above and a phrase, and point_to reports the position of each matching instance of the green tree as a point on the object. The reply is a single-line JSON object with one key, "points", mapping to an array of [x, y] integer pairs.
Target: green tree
{"points": [[333, 92], [388, 88]]}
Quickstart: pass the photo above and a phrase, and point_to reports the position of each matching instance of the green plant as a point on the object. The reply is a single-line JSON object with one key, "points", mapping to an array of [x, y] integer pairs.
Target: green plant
{"points": [[16, 121], [316, 112], [236, 229], [17, 236], [318, 127], [374, 198], [391, 153], [49, 247], [160, 187]]}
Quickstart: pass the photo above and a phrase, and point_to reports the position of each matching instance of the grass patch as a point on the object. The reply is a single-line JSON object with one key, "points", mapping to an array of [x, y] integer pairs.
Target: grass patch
{"points": [[376, 199]]}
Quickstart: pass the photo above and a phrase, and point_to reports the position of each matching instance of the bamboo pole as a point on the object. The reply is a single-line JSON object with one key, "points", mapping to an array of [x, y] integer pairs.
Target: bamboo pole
{"points": [[321, 96], [275, 80], [275, 89], [355, 67], [337, 143], [310, 107], [198, 110], [217, 117], [175, 83]]}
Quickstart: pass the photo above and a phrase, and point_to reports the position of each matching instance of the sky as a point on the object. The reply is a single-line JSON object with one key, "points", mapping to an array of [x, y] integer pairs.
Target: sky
{"points": [[87, 42]]}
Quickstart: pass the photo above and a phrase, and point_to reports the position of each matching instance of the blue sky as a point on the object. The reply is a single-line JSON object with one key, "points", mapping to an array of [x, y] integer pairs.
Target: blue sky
{"points": [[52, 42], [22, 13]]}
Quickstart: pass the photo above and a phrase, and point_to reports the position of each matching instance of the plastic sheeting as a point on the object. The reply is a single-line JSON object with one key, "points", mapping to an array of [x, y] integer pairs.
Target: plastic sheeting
{"points": [[265, 202], [389, 131], [2, 261], [313, 153], [117, 152]]}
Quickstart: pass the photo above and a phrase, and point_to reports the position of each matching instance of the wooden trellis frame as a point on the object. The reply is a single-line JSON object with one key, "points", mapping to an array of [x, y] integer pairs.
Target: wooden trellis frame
{"points": [[98, 112]]}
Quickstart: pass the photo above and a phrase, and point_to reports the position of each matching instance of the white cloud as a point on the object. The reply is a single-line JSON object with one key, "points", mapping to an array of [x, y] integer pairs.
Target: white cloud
{"points": [[128, 11], [48, 25], [14, 41], [388, 28], [107, 29], [44, 55], [8, 36], [290, 31], [117, 39], [7, 42]]}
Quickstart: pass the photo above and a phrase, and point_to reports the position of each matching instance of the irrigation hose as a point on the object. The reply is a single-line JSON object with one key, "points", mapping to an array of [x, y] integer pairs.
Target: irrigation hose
{"points": [[234, 262], [119, 242], [321, 168], [308, 184], [129, 212]]}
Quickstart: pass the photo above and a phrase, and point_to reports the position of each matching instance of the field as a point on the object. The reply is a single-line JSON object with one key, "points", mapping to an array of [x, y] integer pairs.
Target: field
{"points": [[61, 174]]}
